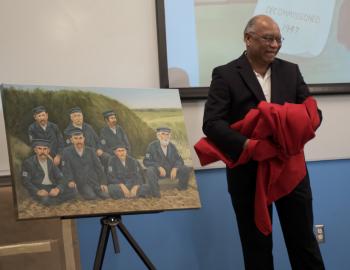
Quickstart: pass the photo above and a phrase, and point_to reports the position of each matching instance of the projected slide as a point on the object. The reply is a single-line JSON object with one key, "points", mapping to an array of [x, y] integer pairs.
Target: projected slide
{"points": [[297, 20], [203, 34]]}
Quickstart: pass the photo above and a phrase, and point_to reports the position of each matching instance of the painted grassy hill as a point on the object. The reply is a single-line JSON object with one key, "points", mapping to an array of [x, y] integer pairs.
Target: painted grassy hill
{"points": [[18, 105]]}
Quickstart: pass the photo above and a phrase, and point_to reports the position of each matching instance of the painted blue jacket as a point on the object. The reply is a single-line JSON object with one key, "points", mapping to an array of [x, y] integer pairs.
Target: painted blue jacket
{"points": [[85, 169], [108, 139], [33, 175], [129, 175], [155, 157], [52, 134]]}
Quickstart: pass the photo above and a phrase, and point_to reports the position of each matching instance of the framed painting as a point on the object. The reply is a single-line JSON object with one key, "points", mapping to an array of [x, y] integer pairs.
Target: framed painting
{"points": [[78, 151]]}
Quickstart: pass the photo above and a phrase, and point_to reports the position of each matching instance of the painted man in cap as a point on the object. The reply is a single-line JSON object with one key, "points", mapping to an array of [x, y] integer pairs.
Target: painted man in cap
{"points": [[42, 178], [112, 134], [77, 121], [125, 176], [44, 129], [82, 168], [164, 161]]}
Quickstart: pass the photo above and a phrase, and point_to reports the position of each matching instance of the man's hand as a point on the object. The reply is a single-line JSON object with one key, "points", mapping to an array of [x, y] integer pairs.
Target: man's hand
{"points": [[162, 171], [57, 160], [54, 192], [42, 193], [72, 184], [125, 190], [173, 173], [134, 190], [104, 188]]}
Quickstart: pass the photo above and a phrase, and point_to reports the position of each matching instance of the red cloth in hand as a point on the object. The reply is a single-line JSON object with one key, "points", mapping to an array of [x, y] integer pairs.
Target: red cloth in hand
{"points": [[277, 135], [263, 150]]}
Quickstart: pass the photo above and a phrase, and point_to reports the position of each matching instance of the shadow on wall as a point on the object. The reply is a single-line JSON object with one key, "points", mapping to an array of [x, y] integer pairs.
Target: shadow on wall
{"points": [[178, 77]]}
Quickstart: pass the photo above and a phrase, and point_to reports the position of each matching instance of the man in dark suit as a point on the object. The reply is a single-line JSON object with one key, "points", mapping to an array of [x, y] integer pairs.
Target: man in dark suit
{"points": [[125, 176], [236, 88], [77, 121], [83, 169], [42, 178], [42, 128], [164, 161], [112, 134]]}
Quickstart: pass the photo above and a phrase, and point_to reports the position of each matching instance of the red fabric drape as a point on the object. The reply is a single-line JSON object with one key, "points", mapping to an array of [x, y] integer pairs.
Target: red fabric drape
{"points": [[277, 135]]}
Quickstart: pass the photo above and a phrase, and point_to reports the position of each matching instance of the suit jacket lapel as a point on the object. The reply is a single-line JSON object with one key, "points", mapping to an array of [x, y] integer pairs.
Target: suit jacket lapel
{"points": [[248, 75], [277, 94], [38, 166]]}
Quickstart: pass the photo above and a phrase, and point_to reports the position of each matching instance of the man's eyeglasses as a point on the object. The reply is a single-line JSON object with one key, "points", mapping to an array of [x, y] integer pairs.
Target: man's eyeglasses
{"points": [[268, 38]]}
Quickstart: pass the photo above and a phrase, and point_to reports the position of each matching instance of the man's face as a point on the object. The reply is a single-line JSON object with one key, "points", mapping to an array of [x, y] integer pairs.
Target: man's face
{"points": [[41, 118], [120, 153], [41, 152], [78, 141], [77, 118], [112, 121], [264, 42], [164, 137]]}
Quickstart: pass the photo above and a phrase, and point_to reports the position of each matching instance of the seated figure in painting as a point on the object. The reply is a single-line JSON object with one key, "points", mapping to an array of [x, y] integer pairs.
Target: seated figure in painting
{"points": [[163, 160], [42, 128], [112, 134], [42, 178], [83, 169], [125, 176]]}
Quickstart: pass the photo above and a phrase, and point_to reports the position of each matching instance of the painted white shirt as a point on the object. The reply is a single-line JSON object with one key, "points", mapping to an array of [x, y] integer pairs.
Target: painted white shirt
{"points": [[164, 149], [46, 180], [114, 130]]}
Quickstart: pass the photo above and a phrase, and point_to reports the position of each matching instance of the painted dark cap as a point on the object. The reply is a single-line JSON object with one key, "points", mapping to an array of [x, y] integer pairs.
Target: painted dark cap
{"points": [[74, 110], [73, 131], [40, 142], [107, 114], [163, 129], [119, 145], [38, 109]]}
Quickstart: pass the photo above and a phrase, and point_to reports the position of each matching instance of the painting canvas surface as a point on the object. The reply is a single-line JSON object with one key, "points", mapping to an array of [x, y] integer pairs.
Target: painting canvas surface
{"points": [[97, 151]]}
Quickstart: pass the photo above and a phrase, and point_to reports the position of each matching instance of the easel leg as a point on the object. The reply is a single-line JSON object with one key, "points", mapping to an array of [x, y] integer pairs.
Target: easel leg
{"points": [[102, 244], [115, 240], [135, 246], [108, 225]]}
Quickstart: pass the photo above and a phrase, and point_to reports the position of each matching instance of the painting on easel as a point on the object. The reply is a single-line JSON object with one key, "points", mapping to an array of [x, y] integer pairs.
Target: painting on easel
{"points": [[97, 151]]}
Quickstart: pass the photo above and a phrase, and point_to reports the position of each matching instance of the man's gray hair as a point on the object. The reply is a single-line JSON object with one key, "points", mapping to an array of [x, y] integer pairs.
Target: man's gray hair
{"points": [[251, 23]]}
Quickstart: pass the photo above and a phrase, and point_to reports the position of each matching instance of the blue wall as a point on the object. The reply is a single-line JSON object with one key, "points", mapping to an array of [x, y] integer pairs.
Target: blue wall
{"points": [[207, 239]]}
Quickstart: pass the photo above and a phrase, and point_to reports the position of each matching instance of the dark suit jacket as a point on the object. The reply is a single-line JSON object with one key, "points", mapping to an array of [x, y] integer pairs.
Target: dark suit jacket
{"points": [[33, 175], [85, 169], [235, 90], [109, 139], [155, 157], [129, 175], [52, 133]]}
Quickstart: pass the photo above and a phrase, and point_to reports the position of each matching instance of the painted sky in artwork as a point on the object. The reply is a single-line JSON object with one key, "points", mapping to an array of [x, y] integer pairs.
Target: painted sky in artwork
{"points": [[131, 97]]}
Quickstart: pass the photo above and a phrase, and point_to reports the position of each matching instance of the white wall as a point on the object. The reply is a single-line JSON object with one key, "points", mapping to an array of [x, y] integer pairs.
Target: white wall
{"points": [[113, 43], [109, 43], [331, 141]]}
